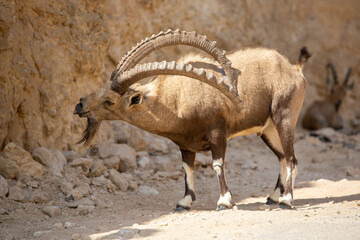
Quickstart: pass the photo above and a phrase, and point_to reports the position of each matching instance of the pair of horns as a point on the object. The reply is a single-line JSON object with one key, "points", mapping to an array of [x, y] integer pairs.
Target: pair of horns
{"points": [[330, 67], [127, 74]]}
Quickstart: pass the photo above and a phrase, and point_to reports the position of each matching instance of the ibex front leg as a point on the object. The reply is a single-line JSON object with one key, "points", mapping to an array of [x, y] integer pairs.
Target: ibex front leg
{"points": [[188, 159], [218, 149]]}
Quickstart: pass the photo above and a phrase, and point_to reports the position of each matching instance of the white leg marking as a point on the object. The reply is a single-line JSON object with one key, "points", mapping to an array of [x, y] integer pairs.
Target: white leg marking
{"points": [[283, 172], [189, 176], [225, 200], [217, 164], [287, 199], [185, 202], [294, 173]]}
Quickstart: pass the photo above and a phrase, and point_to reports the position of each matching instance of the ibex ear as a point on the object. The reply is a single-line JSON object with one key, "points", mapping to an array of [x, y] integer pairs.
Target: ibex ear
{"points": [[135, 99]]}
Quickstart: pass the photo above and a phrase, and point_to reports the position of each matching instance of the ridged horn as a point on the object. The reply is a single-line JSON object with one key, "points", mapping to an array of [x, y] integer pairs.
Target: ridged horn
{"points": [[333, 71], [348, 74], [163, 39], [126, 79]]}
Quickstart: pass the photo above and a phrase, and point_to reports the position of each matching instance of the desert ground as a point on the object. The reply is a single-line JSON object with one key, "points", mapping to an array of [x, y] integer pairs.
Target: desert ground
{"points": [[326, 206]]}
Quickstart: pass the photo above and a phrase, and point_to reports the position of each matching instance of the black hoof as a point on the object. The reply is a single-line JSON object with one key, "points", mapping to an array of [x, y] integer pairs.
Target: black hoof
{"points": [[285, 206], [180, 209], [221, 207], [269, 201]]}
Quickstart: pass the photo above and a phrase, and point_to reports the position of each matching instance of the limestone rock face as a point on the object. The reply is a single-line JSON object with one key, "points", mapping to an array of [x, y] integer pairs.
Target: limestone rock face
{"points": [[27, 165], [53, 53]]}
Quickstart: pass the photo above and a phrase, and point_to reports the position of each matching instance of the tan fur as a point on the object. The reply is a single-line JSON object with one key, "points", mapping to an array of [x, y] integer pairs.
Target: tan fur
{"points": [[199, 117], [326, 113]]}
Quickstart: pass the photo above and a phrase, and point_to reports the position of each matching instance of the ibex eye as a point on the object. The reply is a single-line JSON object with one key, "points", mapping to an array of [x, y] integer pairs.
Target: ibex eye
{"points": [[108, 103]]}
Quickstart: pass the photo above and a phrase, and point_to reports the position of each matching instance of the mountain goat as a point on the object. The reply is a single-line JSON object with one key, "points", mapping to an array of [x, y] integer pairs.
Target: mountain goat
{"points": [[196, 104]]}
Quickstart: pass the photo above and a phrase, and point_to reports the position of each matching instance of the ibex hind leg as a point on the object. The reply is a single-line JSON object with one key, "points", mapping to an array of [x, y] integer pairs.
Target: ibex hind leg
{"points": [[285, 128], [271, 138]]}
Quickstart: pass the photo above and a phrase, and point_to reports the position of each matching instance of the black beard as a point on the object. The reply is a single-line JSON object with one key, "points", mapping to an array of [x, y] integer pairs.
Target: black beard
{"points": [[90, 131]]}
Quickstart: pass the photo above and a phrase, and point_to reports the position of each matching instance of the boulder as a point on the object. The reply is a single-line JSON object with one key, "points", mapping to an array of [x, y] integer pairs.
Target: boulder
{"points": [[158, 145], [4, 188], [54, 160], [24, 160], [126, 153], [38, 196], [119, 180], [8, 168], [143, 159], [84, 163], [103, 182], [163, 163], [52, 211], [16, 193], [97, 168], [112, 162], [137, 140], [66, 187]]}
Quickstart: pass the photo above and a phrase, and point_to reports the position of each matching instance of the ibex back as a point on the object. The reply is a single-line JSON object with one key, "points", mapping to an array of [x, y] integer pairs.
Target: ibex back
{"points": [[200, 105]]}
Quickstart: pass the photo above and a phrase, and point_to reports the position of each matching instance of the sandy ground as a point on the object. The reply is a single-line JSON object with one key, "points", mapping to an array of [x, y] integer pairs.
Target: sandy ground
{"points": [[327, 201]]}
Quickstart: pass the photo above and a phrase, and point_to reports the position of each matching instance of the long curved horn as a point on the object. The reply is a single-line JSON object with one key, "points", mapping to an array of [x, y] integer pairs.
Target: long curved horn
{"points": [[346, 80], [139, 72], [176, 37], [332, 68]]}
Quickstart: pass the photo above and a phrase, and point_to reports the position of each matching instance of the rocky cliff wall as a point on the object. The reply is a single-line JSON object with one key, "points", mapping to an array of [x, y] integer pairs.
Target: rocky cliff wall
{"points": [[54, 52]]}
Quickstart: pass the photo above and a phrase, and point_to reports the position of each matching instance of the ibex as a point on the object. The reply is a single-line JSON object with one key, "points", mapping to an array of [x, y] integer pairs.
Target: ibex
{"points": [[196, 104], [322, 114]]}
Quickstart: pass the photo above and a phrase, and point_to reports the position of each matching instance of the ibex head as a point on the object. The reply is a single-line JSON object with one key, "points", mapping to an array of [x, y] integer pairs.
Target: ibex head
{"points": [[337, 91], [116, 100]]}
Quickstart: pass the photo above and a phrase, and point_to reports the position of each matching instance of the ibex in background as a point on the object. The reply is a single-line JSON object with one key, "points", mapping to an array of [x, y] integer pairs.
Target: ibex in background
{"points": [[325, 113], [195, 104]]}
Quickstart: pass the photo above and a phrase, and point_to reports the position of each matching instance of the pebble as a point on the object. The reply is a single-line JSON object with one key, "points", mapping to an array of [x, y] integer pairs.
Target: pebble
{"points": [[38, 196], [51, 211], [16, 193], [66, 187], [147, 190], [40, 233]]}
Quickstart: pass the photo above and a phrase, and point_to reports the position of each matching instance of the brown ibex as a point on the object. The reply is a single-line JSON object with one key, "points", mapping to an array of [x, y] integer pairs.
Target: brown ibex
{"points": [[325, 113], [202, 115]]}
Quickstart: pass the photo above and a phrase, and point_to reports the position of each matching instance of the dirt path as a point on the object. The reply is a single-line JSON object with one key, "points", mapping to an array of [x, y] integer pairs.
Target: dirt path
{"points": [[327, 201]]}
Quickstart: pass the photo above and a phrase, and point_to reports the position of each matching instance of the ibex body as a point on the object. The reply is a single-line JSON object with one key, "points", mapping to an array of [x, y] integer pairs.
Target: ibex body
{"points": [[326, 113], [198, 117]]}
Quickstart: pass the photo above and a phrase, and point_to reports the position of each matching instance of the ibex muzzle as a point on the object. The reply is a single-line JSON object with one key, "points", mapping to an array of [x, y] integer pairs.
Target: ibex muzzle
{"points": [[199, 108]]}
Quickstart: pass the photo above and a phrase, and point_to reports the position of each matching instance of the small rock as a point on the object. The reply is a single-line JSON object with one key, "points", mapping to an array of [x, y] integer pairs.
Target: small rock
{"points": [[4, 188], [85, 209], [97, 168], [112, 162], [16, 193], [58, 225], [104, 182], [158, 145], [66, 187], [32, 183], [41, 233], [354, 172], [84, 188], [68, 225], [38, 196], [119, 180], [164, 164], [133, 185], [203, 160], [147, 190], [75, 195], [24, 160], [9, 169], [84, 163], [143, 159], [71, 155], [51, 211], [76, 236]]}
